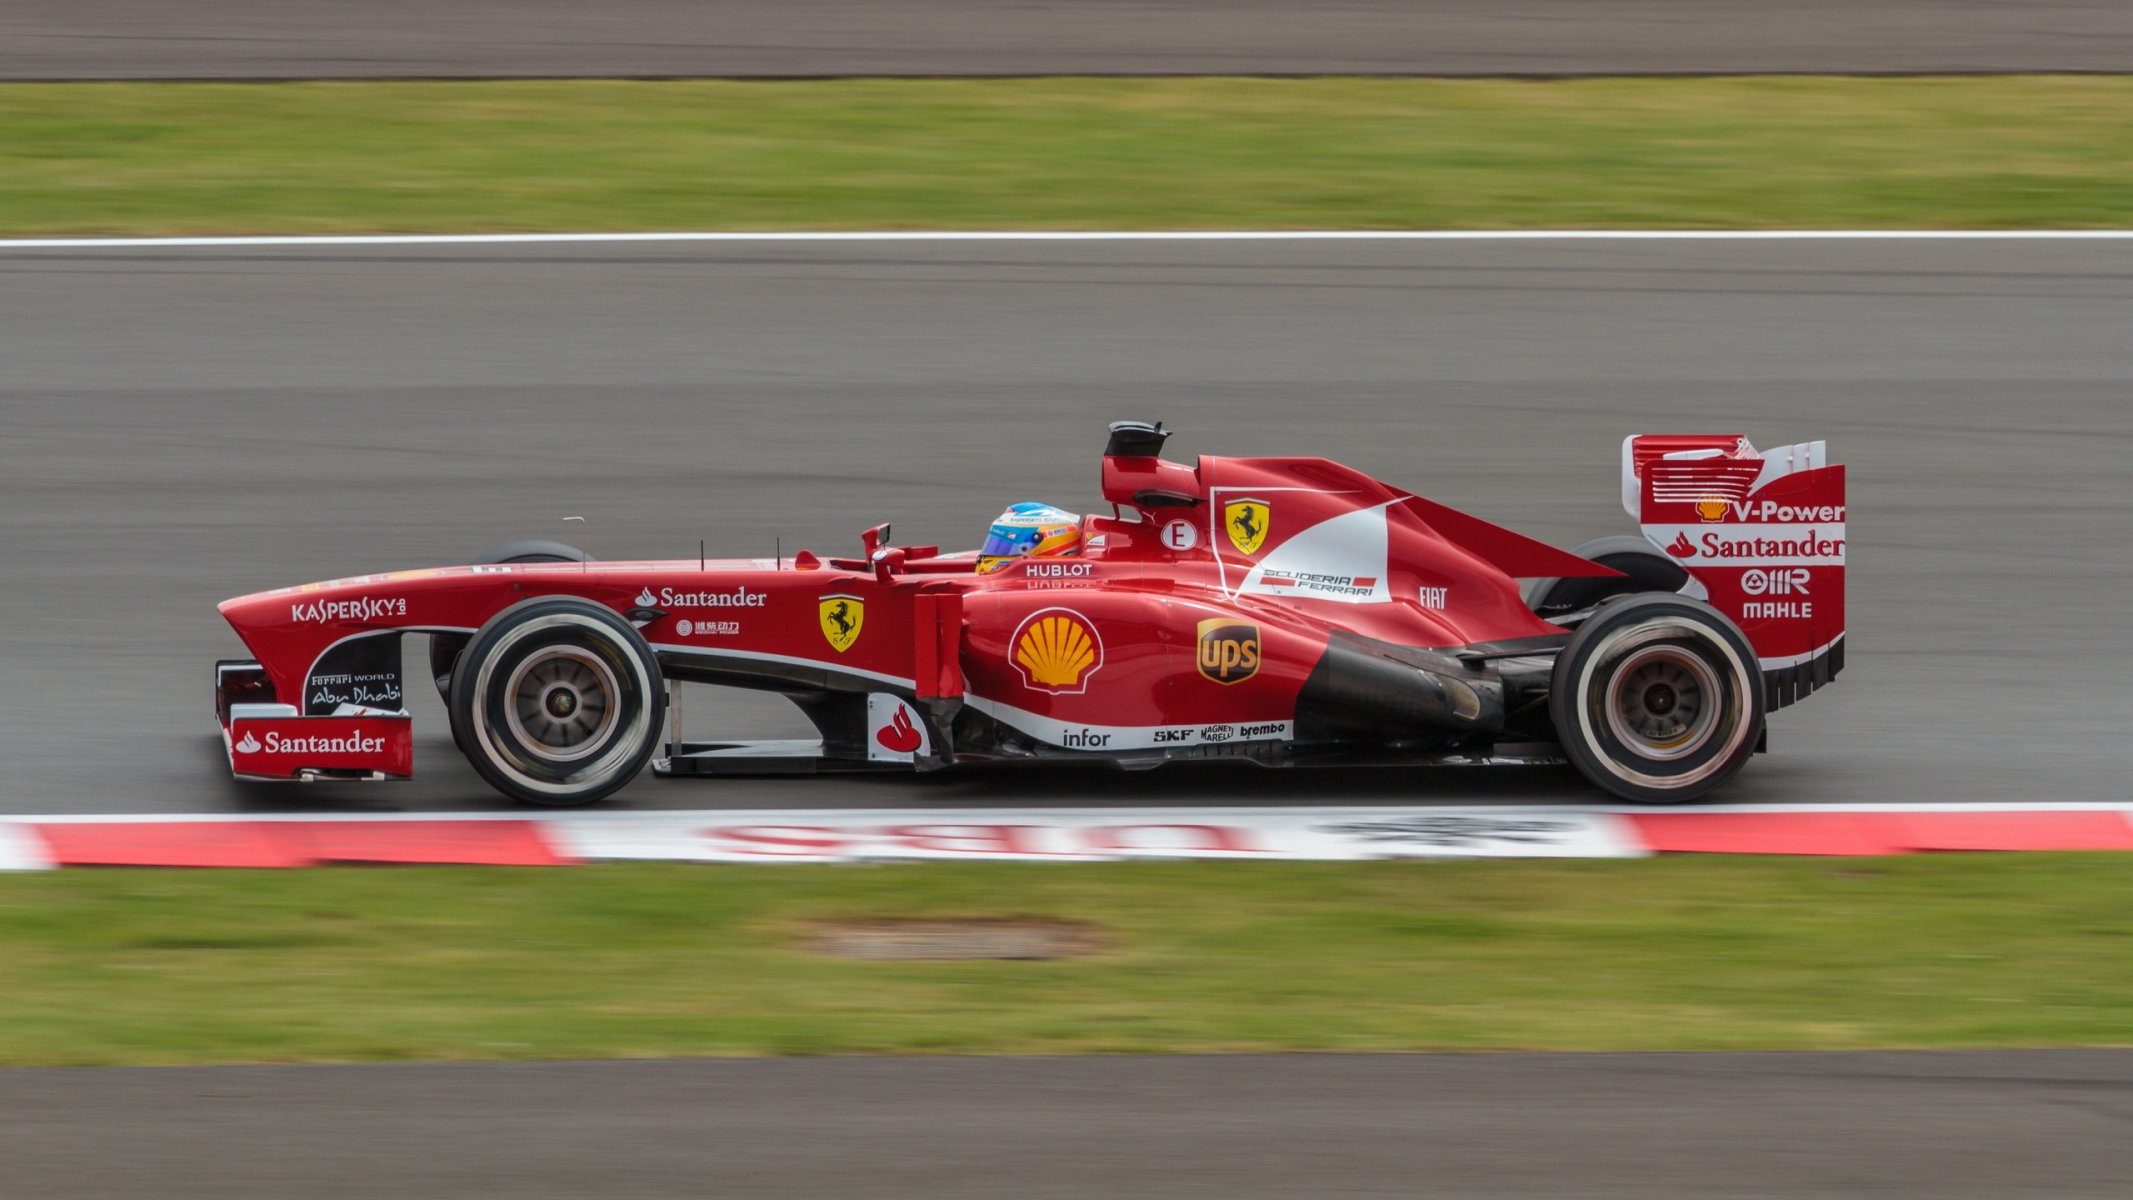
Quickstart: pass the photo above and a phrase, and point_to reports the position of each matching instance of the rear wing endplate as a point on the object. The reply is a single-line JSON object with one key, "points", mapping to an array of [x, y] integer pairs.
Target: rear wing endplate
{"points": [[1763, 531]]}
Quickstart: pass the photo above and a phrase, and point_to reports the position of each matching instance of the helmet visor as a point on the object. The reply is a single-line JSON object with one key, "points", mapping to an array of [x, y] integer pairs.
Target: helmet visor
{"points": [[1008, 542]]}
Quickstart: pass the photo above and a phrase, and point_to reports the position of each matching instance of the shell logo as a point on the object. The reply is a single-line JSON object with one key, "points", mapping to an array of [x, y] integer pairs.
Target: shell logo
{"points": [[1056, 650], [1711, 508]]}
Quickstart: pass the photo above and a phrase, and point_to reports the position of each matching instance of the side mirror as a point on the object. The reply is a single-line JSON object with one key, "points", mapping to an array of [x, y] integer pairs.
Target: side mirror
{"points": [[875, 538], [887, 561]]}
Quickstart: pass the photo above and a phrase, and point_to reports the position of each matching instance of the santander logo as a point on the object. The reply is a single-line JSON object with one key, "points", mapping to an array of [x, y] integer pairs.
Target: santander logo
{"points": [[666, 597], [1760, 545], [282, 743], [899, 735]]}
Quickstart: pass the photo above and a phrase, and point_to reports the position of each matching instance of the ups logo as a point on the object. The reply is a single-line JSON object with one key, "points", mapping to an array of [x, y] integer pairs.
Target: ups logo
{"points": [[1229, 650]]}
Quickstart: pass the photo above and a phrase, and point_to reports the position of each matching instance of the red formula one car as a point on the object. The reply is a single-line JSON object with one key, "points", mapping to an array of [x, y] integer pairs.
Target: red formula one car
{"points": [[1284, 611]]}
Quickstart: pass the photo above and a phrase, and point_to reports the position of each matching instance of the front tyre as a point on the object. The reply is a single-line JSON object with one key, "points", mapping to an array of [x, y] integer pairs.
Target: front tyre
{"points": [[1657, 699], [557, 702], [445, 648]]}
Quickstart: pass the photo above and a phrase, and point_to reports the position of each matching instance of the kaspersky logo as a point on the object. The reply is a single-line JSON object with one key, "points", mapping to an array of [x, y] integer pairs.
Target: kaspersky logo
{"points": [[361, 608]]}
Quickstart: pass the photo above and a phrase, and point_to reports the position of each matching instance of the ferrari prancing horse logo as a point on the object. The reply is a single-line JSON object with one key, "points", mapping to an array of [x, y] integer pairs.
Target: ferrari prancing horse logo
{"points": [[1245, 521], [841, 618]]}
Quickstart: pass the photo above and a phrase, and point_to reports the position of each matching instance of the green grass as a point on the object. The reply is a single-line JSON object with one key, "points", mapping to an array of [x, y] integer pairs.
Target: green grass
{"points": [[1669, 954], [2003, 152]]}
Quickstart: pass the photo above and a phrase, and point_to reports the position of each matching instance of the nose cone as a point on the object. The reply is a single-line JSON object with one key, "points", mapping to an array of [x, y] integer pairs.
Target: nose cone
{"points": [[257, 610], [365, 601]]}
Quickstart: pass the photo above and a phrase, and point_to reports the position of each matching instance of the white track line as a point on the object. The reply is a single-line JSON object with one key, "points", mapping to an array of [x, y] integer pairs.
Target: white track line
{"points": [[21, 850], [1191, 235], [1010, 812]]}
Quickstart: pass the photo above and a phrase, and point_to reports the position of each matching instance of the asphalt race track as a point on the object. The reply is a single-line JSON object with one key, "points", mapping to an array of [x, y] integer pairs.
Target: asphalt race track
{"points": [[2041, 1125], [183, 426], [165, 39]]}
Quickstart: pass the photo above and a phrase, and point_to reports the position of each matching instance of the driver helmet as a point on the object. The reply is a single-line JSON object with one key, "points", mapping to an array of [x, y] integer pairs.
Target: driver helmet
{"points": [[1029, 528]]}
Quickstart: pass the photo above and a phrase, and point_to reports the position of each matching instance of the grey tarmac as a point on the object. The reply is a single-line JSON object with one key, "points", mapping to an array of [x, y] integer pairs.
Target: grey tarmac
{"points": [[184, 426], [2035, 1125], [275, 39]]}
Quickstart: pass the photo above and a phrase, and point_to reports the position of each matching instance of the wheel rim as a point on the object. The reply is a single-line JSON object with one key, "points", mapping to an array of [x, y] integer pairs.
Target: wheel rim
{"points": [[1663, 703], [560, 703]]}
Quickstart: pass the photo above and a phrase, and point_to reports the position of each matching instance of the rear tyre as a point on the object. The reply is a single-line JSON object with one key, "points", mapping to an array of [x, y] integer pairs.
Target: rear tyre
{"points": [[1644, 567], [557, 702], [1657, 699]]}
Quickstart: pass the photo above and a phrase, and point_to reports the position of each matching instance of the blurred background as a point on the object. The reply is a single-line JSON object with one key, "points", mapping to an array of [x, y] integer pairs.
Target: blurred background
{"points": [[180, 423]]}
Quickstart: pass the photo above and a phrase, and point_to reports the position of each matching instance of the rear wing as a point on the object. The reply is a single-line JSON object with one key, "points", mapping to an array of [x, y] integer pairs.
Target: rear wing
{"points": [[1763, 532]]}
